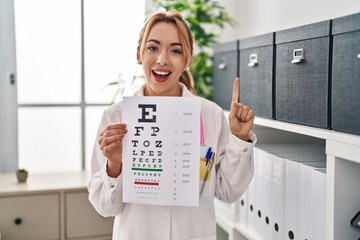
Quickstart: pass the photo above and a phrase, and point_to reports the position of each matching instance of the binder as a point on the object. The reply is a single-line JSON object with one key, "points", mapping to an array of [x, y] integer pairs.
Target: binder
{"points": [[318, 192], [306, 198], [293, 183], [277, 198], [243, 210], [251, 216], [263, 193], [292, 200], [287, 162], [267, 219], [261, 158]]}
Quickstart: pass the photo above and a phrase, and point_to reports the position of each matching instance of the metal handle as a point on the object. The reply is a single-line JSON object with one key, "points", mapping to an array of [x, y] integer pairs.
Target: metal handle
{"points": [[12, 79], [298, 56], [253, 60], [17, 221], [222, 65]]}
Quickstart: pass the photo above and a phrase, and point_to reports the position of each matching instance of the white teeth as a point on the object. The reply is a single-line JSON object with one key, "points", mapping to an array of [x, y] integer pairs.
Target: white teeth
{"points": [[161, 73]]}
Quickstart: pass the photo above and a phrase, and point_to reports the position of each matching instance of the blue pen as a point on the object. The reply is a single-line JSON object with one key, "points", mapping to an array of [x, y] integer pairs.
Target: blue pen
{"points": [[208, 155]]}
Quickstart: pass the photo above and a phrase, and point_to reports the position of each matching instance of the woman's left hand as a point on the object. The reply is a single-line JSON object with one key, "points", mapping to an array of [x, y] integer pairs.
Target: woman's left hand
{"points": [[241, 117]]}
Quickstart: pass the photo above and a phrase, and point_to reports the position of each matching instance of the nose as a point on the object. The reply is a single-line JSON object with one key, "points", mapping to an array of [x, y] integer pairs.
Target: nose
{"points": [[162, 58]]}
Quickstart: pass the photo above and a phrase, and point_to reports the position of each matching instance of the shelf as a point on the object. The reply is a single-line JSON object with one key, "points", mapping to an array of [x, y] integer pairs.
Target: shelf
{"points": [[342, 172], [346, 151], [343, 145], [325, 134], [244, 232]]}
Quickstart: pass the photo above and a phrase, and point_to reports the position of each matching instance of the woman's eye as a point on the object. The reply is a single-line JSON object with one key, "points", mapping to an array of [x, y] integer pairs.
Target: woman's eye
{"points": [[152, 49], [176, 51]]}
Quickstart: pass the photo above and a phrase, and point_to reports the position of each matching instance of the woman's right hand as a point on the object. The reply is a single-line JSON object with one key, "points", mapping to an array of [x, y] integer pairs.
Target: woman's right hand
{"points": [[110, 142]]}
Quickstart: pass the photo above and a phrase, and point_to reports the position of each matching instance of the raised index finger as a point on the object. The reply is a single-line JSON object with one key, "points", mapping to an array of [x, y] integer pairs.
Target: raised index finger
{"points": [[236, 88]]}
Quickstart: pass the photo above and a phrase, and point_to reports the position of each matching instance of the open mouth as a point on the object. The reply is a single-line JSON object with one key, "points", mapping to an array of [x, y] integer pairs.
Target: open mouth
{"points": [[161, 75]]}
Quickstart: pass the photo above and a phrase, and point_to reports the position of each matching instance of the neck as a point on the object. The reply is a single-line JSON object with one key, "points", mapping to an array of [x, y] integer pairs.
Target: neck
{"points": [[176, 92]]}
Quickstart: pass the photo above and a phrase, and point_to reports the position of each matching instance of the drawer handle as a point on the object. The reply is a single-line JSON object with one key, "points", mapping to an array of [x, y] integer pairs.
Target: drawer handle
{"points": [[298, 56], [253, 60], [358, 56], [222, 65], [17, 221]]}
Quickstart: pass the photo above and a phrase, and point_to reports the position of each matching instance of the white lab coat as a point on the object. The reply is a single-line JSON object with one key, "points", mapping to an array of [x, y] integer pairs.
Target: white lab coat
{"points": [[235, 162]]}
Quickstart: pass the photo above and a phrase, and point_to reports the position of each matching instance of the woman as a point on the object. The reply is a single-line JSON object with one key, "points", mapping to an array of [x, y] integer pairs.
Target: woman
{"points": [[165, 51]]}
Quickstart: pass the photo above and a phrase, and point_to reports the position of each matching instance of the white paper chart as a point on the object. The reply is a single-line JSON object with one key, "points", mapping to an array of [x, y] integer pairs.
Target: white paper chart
{"points": [[161, 150]]}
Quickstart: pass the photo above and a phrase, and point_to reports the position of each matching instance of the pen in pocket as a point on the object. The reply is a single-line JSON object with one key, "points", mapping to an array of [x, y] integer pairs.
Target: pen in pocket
{"points": [[208, 170], [208, 155]]}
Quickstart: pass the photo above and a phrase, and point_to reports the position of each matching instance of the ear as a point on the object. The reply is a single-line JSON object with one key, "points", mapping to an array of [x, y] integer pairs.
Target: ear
{"points": [[187, 66], [138, 58]]}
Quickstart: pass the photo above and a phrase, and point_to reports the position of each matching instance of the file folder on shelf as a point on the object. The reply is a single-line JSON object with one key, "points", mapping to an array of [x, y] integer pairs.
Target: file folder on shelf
{"points": [[292, 200], [267, 196], [318, 192], [260, 158], [293, 196], [278, 198], [284, 205], [306, 198], [251, 217], [243, 210]]}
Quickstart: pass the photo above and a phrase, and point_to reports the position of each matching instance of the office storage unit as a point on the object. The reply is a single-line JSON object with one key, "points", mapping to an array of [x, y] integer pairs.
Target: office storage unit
{"points": [[342, 174], [50, 206], [342, 150], [302, 74], [256, 69], [226, 58], [345, 104]]}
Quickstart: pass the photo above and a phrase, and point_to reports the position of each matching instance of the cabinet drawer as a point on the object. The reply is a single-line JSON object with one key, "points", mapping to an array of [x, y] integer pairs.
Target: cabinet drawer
{"points": [[82, 220], [346, 74], [225, 71], [302, 76], [30, 217], [256, 70]]}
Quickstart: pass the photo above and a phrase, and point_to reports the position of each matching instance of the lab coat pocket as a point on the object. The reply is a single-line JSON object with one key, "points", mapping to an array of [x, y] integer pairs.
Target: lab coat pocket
{"points": [[203, 170], [206, 178]]}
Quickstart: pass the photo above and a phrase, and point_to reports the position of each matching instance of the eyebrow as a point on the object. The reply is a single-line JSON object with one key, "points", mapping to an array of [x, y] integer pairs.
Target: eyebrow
{"points": [[158, 42]]}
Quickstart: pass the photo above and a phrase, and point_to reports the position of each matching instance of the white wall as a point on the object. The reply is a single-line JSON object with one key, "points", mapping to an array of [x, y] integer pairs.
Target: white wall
{"points": [[257, 17]]}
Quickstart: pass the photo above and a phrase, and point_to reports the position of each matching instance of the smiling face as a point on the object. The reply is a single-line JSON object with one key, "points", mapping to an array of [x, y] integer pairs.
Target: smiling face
{"points": [[163, 60]]}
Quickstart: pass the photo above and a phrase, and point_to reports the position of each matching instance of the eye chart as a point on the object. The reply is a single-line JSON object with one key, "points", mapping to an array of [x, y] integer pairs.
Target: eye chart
{"points": [[161, 150]]}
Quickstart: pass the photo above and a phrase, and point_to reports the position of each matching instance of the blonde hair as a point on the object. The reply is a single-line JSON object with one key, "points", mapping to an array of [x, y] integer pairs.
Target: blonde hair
{"points": [[186, 40]]}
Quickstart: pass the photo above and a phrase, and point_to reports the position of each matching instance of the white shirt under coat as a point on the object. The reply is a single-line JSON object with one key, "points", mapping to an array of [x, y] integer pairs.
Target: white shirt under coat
{"points": [[151, 222]]}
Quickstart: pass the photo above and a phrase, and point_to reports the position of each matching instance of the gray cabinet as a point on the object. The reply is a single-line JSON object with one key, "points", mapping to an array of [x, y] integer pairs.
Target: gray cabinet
{"points": [[256, 69], [50, 206], [226, 58], [302, 74], [345, 103], [30, 217], [81, 219]]}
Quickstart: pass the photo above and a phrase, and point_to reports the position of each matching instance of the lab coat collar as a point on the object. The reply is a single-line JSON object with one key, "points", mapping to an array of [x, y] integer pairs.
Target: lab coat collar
{"points": [[184, 91]]}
